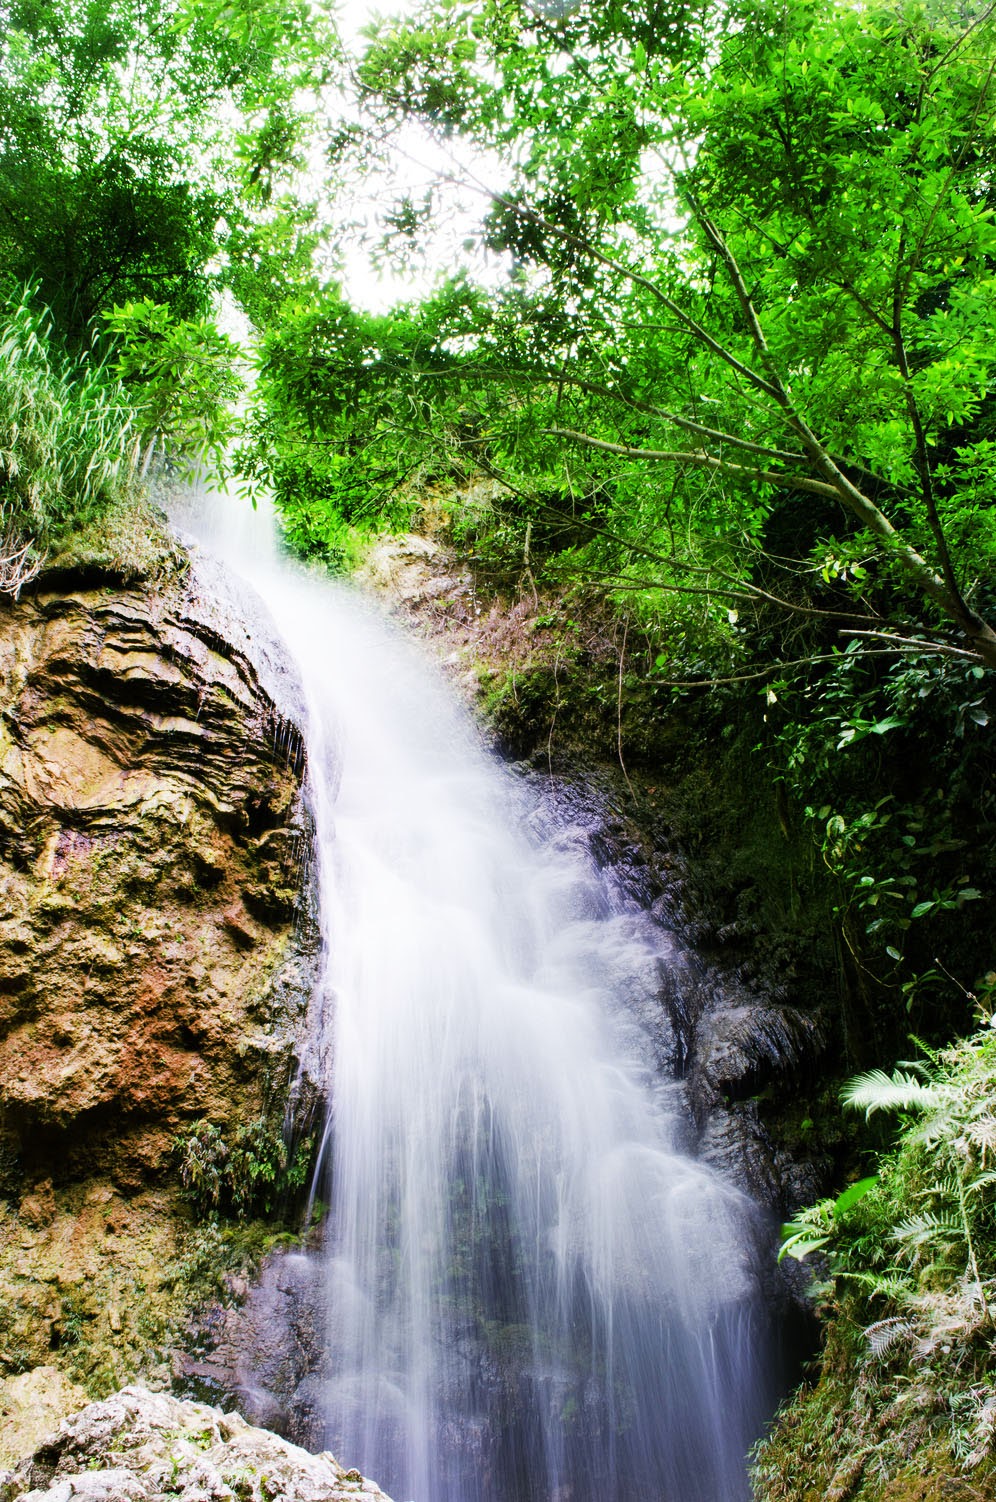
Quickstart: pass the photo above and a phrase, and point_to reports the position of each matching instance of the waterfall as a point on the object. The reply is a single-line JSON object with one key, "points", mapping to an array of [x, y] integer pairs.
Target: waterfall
{"points": [[530, 1291]]}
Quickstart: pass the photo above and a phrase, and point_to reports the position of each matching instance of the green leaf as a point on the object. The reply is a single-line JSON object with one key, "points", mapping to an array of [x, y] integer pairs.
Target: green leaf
{"points": [[853, 1193], [800, 1244]]}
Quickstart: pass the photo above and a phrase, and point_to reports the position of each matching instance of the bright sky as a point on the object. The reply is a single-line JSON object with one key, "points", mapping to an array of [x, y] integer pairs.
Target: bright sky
{"points": [[418, 163]]}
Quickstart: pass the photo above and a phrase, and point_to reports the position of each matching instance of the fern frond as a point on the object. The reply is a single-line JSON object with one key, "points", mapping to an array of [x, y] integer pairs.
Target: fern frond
{"points": [[982, 1133], [947, 1187], [936, 1057], [885, 1334], [919, 1230], [878, 1091], [889, 1285]]}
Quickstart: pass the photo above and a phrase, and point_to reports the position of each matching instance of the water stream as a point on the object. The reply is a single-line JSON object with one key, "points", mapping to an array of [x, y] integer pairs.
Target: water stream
{"points": [[530, 1292]]}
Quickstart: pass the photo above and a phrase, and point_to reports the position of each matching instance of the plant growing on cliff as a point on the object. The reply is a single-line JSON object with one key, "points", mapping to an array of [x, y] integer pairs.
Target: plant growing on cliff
{"points": [[890, 763], [909, 1363], [67, 443], [249, 1172]]}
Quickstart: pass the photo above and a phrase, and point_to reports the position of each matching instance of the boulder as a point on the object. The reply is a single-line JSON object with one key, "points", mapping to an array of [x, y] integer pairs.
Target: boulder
{"points": [[141, 1446], [31, 1404]]}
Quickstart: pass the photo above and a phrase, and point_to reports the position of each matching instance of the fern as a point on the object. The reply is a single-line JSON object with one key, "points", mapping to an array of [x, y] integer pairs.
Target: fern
{"points": [[927, 1227], [891, 1286], [912, 1267], [982, 1133], [885, 1334], [878, 1091]]}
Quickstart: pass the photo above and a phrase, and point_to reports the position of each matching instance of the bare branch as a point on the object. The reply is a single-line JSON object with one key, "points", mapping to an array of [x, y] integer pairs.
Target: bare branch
{"points": [[914, 643]]}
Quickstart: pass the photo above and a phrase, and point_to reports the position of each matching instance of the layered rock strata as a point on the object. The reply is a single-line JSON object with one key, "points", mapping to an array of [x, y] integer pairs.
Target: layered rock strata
{"points": [[156, 953]]}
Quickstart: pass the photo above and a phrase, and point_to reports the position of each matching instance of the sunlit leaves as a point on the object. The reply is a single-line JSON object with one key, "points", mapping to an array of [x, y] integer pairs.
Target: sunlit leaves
{"points": [[182, 375], [131, 131]]}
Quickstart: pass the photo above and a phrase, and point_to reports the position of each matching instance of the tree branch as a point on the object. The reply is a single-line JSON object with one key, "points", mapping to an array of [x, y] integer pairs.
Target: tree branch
{"points": [[716, 435], [913, 643], [777, 667], [701, 460]]}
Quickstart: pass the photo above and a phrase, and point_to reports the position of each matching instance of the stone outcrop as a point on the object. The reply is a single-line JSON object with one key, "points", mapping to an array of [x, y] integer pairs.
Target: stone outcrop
{"points": [[140, 1446], [151, 845], [157, 957], [32, 1405]]}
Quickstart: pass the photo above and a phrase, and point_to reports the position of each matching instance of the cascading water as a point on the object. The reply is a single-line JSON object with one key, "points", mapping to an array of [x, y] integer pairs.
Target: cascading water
{"points": [[530, 1290]]}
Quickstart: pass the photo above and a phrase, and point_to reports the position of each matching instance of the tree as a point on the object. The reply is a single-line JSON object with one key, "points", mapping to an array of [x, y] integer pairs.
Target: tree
{"points": [[139, 137], [751, 292], [147, 152]]}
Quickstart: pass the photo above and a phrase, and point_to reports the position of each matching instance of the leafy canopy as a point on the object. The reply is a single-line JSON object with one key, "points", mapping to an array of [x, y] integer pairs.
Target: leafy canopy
{"points": [[750, 290], [137, 137], [147, 149]]}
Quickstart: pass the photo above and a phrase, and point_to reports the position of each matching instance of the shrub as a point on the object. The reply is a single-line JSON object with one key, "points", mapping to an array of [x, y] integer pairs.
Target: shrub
{"points": [[247, 1173], [908, 1300]]}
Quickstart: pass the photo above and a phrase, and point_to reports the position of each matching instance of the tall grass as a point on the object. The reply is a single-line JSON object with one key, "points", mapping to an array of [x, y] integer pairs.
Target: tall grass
{"points": [[68, 442]]}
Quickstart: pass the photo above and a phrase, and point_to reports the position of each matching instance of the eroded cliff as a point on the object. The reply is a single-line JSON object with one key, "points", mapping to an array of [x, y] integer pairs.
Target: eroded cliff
{"points": [[156, 960]]}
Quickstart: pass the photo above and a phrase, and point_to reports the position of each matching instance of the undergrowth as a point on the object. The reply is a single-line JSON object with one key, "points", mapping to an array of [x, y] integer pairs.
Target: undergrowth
{"points": [[904, 1403], [251, 1171]]}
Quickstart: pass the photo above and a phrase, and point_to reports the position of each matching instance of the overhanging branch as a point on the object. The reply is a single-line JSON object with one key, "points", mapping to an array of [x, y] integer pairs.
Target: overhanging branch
{"points": [[698, 459]]}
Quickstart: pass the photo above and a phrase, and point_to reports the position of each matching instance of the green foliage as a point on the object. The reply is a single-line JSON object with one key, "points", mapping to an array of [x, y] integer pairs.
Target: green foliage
{"points": [[93, 203], [248, 1173], [336, 434], [181, 375], [749, 280], [909, 871], [129, 130], [816, 1226], [910, 1287], [67, 439], [147, 157]]}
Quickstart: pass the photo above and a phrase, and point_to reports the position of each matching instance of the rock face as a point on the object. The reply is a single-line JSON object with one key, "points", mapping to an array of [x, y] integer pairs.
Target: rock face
{"points": [[151, 846], [157, 956], [139, 1446], [32, 1403]]}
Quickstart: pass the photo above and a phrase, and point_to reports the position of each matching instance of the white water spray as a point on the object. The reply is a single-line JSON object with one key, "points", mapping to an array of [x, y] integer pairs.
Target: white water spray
{"points": [[532, 1293]]}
